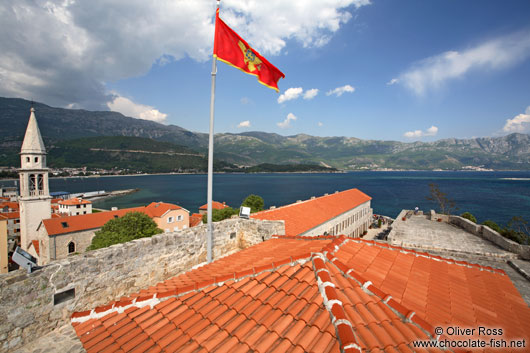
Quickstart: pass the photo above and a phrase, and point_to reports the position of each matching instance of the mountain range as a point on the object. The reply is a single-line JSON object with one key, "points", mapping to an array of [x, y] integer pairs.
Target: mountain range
{"points": [[511, 152]]}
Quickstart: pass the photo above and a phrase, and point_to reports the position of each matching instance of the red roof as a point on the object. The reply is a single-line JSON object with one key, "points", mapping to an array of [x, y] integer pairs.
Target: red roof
{"points": [[195, 219], [303, 216], [158, 209], [73, 202], [215, 206], [36, 246], [309, 294], [10, 215], [10, 204], [69, 224]]}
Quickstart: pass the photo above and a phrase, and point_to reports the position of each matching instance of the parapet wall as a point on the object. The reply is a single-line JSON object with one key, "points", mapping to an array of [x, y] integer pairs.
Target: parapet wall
{"points": [[489, 234], [95, 278]]}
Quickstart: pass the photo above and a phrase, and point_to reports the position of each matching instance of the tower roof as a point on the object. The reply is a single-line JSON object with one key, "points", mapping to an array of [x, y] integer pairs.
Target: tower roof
{"points": [[32, 140]]}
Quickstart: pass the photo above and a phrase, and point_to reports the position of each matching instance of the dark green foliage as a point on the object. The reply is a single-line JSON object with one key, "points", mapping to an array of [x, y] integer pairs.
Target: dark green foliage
{"points": [[255, 203], [219, 215], [469, 216], [492, 225], [132, 225], [446, 205]]}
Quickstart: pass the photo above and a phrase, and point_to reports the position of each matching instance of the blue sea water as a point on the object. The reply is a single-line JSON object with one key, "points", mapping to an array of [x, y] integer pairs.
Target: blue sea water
{"points": [[488, 195]]}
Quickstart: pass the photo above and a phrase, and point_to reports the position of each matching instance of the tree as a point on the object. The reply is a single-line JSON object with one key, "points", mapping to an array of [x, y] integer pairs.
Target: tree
{"points": [[521, 228], [132, 225], [446, 205], [469, 216], [492, 225], [255, 203], [219, 215]]}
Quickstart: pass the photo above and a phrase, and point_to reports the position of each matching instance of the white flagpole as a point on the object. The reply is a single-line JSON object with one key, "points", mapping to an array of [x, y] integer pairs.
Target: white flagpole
{"points": [[210, 159]]}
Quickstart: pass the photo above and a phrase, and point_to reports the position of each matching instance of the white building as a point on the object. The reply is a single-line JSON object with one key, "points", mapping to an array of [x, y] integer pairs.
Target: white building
{"points": [[75, 207]]}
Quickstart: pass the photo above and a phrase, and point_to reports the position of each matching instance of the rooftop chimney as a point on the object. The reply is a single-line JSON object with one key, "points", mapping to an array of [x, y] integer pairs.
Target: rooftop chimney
{"points": [[312, 197], [298, 201], [326, 194], [273, 207]]}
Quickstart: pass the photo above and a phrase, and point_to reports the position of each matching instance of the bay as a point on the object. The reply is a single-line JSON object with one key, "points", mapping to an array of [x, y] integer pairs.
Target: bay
{"points": [[488, 195]]}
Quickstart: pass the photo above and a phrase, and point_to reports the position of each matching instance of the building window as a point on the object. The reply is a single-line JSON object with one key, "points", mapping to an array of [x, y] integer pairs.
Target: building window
{"points": [[36, 159], [179, 218], [170, 220], [32, 182], [27, 159], [71, 247], [176, 228]]}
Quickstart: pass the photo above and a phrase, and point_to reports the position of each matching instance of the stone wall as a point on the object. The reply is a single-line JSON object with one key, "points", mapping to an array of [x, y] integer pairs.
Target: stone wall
{"points": [[27, 308], [489, 234]]}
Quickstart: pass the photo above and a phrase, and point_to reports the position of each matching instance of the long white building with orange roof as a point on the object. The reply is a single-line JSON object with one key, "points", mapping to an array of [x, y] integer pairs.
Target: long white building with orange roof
{"points": [[347, 212]]}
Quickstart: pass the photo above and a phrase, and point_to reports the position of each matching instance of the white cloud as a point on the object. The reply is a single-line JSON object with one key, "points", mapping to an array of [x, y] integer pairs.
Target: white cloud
{"points": [[494, 54], [320, 124], [520, 123], [287, 122], [243, 124], [290, 94], [128, 108], [339, 91], [392, 82], [432, 131], [311, 93], [63, 51]]}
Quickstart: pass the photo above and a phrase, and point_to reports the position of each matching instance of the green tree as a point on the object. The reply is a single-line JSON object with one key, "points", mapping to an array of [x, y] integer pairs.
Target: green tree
{"points": [[132, 225], [446, 205], [469, 216], [520, 229], [255, 203], [219, 215]]}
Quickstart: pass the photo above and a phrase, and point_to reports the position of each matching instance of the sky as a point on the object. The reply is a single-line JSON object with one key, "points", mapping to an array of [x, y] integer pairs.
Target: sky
{"points": [[371, 69]]}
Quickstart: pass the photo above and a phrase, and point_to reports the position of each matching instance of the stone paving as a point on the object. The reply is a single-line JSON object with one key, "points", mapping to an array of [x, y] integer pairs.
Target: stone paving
{"points": [[421, 233], [62, 339]]}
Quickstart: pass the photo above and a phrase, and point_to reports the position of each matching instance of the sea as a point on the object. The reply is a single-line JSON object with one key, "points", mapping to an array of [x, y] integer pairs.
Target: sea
{"points": [[496, 196]]}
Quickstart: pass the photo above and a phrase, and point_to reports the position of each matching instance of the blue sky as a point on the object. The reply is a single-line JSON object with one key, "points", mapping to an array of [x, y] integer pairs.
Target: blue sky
{"points": [[409, 70]]}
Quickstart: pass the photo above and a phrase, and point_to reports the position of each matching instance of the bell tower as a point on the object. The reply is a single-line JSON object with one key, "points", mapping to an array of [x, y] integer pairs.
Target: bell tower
{"points": [[35, 196]]}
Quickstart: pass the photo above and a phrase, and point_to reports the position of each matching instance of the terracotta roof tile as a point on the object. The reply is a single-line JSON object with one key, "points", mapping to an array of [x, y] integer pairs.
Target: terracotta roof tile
{"points": [[73, 202], [215, 205], [303, 216], [288, 308]]}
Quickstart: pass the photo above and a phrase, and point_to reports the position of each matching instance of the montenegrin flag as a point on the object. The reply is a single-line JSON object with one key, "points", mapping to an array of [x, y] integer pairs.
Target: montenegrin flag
{"points": [[230, 48]]}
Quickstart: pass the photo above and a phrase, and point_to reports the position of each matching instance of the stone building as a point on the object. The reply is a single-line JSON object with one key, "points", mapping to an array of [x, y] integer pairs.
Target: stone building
{"points": [[347, 212], [35, 196], [62, 236]]}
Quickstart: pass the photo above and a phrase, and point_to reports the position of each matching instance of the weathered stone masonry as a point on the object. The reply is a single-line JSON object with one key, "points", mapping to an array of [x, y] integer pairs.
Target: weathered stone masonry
{"points": [[27, 309]]}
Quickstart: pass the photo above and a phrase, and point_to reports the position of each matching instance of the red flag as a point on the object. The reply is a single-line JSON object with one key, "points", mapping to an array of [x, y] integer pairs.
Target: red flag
{"points": [[230, 48]]}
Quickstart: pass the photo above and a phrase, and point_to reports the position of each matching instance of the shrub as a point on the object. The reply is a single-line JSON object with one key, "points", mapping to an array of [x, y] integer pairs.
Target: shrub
{"points": [[219, 215], [492, 225], [132, 225], [469, 216], [255, 203]]}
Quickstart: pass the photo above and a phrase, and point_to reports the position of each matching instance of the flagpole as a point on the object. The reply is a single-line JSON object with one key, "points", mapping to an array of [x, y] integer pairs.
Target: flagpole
{"points": [[210, 159]]}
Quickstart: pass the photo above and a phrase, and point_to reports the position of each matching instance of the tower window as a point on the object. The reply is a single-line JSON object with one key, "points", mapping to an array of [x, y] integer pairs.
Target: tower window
{"points": [[71, 247], [41, 183], [32, 185], [27, 159], [36, 159]]}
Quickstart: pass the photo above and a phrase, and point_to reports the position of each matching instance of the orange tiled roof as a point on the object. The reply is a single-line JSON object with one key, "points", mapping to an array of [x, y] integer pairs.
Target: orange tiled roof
{"points": [[215, 206], [297, 294], [36, 246], [73, 201], [55, 200], [10, 215], [303, 216], [54, 225], [158, 209], [10, 204], [195, 219]]}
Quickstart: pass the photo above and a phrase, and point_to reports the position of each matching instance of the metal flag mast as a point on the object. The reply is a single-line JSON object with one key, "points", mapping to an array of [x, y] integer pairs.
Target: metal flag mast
{"points": [[210, 158]]}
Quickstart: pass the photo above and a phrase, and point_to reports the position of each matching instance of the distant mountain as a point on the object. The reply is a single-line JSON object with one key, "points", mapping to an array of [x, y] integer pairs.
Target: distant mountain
{"points": [[253, 148]]}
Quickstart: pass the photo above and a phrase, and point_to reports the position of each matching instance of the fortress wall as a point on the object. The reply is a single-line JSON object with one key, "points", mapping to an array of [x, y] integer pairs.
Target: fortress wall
{"points": [[95, 278]]}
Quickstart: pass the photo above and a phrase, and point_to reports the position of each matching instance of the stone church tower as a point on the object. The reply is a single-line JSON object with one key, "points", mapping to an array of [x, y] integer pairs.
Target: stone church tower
{"points": [[35, 199]]}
